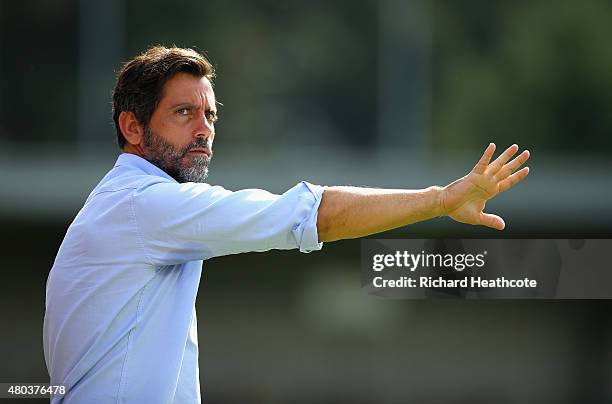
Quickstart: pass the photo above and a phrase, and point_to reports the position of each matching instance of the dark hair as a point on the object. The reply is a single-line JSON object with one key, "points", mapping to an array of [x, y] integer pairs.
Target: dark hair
{"points": [[140, 82]]}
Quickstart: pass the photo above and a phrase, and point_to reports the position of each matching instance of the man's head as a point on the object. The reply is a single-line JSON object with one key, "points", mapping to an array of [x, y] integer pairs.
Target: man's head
{"points": [[164, 110]]}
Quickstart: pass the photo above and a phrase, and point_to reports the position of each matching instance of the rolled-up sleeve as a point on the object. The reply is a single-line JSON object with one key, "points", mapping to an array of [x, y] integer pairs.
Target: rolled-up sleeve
{"points": [[185, 222], [306, 231]]}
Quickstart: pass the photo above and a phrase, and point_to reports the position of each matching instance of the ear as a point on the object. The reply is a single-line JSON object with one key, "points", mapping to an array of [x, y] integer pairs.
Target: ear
{"points": [[132, 129]]}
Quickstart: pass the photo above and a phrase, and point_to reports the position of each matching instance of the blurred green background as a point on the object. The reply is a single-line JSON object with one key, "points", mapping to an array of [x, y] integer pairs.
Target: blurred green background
{"points": [[389, 93]]}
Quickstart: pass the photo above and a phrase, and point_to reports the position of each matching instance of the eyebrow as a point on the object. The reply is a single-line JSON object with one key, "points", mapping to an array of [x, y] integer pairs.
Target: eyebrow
{"points": [[188, 104], [183, 104]]}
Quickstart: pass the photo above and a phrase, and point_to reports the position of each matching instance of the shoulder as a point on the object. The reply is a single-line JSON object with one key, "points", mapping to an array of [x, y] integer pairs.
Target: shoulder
{"points": [[165, 197]]}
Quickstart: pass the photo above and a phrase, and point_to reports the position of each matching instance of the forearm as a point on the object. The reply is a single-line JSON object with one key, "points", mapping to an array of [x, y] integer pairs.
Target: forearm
{"points": [[350, 212]]}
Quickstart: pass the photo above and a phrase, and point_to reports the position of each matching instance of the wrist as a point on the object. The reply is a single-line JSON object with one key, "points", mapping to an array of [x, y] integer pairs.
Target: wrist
{"points": [[438, 193]]}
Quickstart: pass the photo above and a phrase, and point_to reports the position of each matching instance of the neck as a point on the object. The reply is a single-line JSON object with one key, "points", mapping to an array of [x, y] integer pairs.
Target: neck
{"points": [[133, 149]]}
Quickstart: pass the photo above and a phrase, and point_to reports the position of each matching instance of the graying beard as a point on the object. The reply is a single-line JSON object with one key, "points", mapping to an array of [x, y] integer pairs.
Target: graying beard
{"points": [[197, 172], [165, 156]]}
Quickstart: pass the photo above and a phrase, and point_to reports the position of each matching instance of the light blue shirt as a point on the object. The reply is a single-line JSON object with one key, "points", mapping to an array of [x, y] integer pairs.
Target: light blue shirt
{"points": [[120, 323]]}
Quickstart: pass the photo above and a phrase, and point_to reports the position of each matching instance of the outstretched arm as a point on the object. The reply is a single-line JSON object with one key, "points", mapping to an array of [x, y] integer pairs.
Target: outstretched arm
{"points": [[350, 212]]}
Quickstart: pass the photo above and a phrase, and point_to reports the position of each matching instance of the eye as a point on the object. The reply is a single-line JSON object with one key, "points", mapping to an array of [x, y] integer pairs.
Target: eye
{"points": [[211, 116], [184, 111]]}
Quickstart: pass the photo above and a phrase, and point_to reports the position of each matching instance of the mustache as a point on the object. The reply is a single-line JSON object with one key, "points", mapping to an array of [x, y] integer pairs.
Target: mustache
{"points": [[197, 144]]}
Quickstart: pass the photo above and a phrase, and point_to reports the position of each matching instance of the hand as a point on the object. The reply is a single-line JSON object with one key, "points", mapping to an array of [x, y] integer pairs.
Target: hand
{"points": [[464, 200]]}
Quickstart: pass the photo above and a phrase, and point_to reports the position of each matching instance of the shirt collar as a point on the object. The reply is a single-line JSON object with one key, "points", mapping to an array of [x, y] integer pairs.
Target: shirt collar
{"points": [[139, 163]]}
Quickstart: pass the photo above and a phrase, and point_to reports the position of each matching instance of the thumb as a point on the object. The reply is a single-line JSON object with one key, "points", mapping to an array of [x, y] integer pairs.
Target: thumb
{"points": [[493, 221]]}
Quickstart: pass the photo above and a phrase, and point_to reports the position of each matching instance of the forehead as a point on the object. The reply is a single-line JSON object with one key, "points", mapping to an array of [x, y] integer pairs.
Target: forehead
{"points": [[187, 88]]}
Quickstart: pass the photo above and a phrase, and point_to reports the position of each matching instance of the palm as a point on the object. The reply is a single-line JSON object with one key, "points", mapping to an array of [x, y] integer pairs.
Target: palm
{"points": [[464, 200]]}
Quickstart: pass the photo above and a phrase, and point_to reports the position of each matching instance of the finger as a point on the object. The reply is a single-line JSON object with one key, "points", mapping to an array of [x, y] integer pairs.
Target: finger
{"points": [[503, 158], [512, 166], [493, 221], [481, 166], [513, 179]]}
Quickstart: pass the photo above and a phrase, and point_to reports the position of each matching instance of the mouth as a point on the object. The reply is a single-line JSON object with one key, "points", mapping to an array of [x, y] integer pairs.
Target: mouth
{"points": [[200, 151]]}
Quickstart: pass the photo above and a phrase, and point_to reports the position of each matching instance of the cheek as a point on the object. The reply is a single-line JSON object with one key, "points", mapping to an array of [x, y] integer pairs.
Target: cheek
{"points": [[178, 137]]}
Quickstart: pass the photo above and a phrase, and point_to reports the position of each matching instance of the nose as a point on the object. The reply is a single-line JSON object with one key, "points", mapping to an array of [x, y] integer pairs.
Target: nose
{"points": [[205, 128]]}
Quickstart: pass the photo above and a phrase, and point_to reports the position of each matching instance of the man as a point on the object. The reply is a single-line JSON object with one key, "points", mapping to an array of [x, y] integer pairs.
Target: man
{"points": [[120, 322]]}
